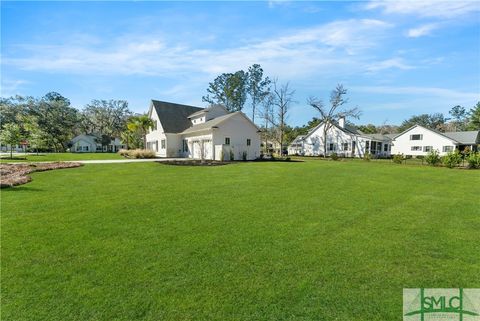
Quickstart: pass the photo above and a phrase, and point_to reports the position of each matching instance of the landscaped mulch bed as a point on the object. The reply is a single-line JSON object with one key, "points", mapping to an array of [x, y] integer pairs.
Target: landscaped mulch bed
{"points": [[17, 174]]}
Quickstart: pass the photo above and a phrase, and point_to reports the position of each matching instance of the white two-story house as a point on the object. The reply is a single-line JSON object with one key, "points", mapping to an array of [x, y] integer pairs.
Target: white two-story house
{"points": [[201, 133], [419, 141]]}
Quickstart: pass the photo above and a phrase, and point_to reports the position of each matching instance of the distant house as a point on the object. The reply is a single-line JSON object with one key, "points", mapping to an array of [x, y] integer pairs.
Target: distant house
{"points": [[419, 140], [92, 143], [342, 139], [201, 133]]}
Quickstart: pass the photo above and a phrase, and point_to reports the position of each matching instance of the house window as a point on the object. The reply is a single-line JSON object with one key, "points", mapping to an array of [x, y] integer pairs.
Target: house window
{"points": [[163, 143], [416, 137], [367, 146], [345, 146], [331, 146], [85, 148], [227, 140], [185, 146], [427, 148], [416, 148], [99, 148], [447, 149], [249, 141], [79, 148], [385, 148]]}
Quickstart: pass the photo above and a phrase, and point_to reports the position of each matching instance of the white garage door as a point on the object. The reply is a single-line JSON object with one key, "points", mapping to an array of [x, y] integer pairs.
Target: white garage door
{"points": [[208, 152]]}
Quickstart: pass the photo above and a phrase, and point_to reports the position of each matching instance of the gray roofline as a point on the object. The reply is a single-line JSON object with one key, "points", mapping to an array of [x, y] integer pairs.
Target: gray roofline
{"points": [[432, 130]]}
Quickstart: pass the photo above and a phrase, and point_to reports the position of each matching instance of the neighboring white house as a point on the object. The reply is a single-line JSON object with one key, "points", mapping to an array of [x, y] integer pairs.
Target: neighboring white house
{"points": [[342, 139], [16, 148], [93, 144], [201, 133], [418, 141]]}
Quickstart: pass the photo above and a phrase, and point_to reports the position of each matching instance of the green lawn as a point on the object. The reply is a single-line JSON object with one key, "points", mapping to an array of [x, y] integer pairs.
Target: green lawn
{"points": [[247, 241], [50, 157]]}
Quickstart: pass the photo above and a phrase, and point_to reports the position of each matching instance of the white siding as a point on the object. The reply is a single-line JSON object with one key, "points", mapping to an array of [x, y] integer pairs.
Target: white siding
{"points": [[403, 144], [238, 129]]}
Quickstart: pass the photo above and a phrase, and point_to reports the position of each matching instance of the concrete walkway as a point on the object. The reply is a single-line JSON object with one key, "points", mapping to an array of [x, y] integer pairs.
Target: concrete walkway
{"points": [[105, 161], [115, 161]]}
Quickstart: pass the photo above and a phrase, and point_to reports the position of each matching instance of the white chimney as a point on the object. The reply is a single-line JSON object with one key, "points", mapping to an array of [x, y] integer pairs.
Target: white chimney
{"points": [[341, 122]]}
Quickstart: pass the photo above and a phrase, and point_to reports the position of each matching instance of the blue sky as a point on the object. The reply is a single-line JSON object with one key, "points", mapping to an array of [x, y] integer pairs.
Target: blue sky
{"points": [[396, 58]]}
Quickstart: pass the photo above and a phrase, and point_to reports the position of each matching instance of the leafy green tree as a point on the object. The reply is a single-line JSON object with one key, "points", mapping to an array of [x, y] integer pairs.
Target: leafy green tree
{"points": [[474, 117], [368, 129], [105, 117], [459, 115], [37, 138], [141, 124], [229, 90], [257, 87], [10, 135], [432, 121], [56, 118]]}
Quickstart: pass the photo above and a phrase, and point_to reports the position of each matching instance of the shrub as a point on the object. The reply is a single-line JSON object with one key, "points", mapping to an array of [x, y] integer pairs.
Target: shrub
{"points": [[232, 156], [473, 160], [244, 156], [287, 159], [433, 158], [452, 159], [334, 156], [137, 153], [398, 159], [367, 157]]}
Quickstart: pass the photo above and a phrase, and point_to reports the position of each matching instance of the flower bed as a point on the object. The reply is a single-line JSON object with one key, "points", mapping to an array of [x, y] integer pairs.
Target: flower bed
{"points": [[17, 174]]}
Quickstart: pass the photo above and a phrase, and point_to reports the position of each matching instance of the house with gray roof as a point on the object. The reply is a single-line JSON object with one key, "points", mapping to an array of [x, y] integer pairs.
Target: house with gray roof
{"points": [[342, 139], [201, 133], [419, 141]]}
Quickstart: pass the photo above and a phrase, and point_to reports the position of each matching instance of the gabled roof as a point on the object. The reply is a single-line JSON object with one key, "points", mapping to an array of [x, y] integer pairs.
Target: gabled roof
{"points": [[467, 138], [432, 130], [381, 137], [215, 123], [174, 117], [206, 110], [350, 130]]}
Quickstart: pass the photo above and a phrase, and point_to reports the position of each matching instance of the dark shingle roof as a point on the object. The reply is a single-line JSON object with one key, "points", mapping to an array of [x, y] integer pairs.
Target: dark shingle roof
{"points": [[174, 117]]}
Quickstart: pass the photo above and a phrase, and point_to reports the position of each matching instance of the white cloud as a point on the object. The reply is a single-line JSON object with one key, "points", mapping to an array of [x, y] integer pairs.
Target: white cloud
{"points": [[11, 87], [338, 46], [427, 8], [437, 92], [420, 31], [397, 63]]}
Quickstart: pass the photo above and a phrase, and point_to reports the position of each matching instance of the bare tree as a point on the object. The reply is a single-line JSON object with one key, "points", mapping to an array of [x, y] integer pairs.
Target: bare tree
{"points": [[282, 99], [329, 115], [268, 118]]}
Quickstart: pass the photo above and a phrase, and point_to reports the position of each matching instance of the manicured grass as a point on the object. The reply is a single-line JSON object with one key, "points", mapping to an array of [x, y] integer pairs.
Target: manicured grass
{"points": [[315, 240], [50, 157]]}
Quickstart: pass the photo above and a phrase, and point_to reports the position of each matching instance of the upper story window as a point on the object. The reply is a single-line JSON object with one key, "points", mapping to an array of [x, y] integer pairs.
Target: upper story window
{"points": [[249, 142], [227, 140], [416, 137]]}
